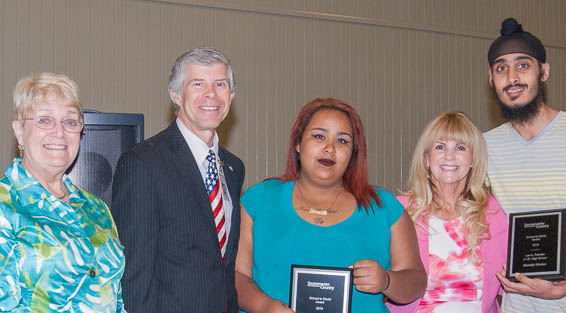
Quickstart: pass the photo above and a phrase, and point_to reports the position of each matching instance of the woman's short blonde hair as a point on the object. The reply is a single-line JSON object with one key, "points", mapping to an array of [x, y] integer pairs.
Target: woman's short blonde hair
{"points": [[34, 89]]}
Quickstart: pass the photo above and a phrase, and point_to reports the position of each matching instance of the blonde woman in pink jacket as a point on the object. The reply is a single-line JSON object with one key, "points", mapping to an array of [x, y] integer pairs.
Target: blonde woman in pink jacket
{"points": [[461, 229]]}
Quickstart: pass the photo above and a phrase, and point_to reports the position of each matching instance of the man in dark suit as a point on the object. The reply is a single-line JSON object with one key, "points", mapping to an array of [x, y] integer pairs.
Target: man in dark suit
{"points": [[176, 199]]}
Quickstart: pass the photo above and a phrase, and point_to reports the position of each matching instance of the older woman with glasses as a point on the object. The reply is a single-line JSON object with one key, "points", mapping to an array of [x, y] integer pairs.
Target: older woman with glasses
{"points": [[59, 248]]}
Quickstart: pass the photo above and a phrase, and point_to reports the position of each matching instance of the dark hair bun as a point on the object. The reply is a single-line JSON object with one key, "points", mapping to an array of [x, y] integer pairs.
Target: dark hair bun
{"points": [[510, 26]]}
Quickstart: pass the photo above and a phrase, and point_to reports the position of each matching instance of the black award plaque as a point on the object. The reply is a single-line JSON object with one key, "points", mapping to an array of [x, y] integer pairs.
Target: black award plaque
{"points": [[317, 289], [535, 245]]}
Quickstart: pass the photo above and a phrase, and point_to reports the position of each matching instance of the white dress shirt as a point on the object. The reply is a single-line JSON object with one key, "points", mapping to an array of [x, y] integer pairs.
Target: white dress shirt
{"points": [[200, 150]]}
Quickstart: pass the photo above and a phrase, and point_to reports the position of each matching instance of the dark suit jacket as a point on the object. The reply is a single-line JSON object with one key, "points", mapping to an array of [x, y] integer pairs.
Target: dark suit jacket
{"points": [[165, 222]]}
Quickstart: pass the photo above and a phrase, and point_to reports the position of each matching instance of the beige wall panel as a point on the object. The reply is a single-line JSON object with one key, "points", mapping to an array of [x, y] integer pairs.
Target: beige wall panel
{"points": [[119, 73], [133, 62], [556, 91], [46, 34], [22, 30], [60, 37], [144, 88], [73, 34], [83, 44], [108, 55], [460, 17], [155, 78], [166, 59], [9, 72], [399, 62], [34, 35], [97, 63]]}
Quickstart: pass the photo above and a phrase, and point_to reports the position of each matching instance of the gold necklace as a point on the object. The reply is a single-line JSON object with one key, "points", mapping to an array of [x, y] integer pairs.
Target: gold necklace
{"points": [[317, 211]]}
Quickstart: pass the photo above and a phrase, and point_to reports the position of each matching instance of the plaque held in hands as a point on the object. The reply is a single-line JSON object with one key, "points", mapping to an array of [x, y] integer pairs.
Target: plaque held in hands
{"points": [[316, 289], [535, 244]]}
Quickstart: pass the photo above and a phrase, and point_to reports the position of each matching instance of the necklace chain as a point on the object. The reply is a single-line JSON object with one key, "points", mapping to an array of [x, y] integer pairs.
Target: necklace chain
{"points": [[317, 211]]}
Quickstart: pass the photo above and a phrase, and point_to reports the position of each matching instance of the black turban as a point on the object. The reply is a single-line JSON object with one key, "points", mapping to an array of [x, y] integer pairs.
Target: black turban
{"points": [[514, 40]]}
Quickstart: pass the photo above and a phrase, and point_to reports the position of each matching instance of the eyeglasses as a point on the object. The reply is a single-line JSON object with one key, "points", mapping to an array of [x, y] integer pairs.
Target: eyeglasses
{"points": [[48, 122]]}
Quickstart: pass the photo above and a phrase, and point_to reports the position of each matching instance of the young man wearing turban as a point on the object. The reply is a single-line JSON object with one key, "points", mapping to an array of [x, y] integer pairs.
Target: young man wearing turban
{"points": [[527, 154]]}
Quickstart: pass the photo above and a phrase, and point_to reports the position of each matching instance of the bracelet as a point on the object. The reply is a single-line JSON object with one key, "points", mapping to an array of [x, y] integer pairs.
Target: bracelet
{"points": [[388, 281]]}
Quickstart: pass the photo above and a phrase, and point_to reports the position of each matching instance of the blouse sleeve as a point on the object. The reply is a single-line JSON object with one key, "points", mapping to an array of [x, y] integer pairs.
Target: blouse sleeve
{"points": [[251, 197], [391, 205], [497, 219], [10, 292]]}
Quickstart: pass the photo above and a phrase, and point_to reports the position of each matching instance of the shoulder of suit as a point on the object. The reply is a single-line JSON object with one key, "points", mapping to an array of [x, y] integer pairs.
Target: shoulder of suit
{"points": [[156, 143], [228, 157]]}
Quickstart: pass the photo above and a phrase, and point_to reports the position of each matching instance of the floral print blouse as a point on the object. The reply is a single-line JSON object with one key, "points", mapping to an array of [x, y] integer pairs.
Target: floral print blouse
{"points": [[454, 281], [56, 257]]}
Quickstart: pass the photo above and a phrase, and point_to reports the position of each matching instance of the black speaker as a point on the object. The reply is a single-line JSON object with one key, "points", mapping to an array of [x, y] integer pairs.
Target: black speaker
{"points": [[105, 136]]}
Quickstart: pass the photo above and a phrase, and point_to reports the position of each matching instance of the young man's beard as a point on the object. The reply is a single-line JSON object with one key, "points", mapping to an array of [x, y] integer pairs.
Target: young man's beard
{"points": [[522, 113]]}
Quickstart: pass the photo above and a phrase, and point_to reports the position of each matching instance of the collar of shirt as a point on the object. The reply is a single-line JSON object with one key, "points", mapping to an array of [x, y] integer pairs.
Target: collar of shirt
{"points": [[34, 198], [198, 147]]}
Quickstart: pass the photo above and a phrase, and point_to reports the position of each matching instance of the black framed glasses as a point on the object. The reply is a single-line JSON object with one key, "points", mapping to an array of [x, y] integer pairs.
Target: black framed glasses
{"points": [[48, 122]]}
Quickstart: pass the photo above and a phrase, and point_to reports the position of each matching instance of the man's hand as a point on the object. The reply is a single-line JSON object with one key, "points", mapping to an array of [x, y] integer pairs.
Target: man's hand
{"points": [[533, 286]]}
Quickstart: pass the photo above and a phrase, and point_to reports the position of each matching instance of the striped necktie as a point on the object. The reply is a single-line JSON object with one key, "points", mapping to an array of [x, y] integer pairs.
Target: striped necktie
{"points": [[215, 198]]}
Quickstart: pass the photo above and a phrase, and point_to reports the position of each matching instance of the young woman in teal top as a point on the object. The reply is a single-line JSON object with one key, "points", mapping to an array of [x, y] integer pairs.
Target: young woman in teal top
{"points": [[323, 212]]}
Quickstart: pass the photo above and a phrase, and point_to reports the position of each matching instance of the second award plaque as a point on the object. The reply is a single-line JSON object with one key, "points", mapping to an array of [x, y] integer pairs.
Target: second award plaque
{"points": [[535, 248], [316, 289]]}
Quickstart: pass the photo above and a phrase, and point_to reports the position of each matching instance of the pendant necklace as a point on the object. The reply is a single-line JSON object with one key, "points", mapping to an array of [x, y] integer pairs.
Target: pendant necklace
{"points": [[317, 211]]}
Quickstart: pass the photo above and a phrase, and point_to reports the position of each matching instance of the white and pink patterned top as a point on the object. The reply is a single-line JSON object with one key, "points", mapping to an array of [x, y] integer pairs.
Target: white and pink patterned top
{"points": [[454, 282]]}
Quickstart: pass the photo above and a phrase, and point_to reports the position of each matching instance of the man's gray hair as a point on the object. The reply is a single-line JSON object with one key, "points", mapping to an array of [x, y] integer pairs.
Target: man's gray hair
{"points": [[206, 56]]}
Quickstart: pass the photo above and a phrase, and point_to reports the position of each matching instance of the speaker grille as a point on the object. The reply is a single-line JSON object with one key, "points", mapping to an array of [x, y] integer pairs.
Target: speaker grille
{"points": [[100, 149]]}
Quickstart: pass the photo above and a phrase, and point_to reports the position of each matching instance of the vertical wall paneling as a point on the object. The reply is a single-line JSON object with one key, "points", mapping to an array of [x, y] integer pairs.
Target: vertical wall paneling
{"points": [[399, 62], [119, 71], [155, 80], [84, 56], [110, 31], [166, 62], [60, 37], [70, 14], [146, 36], [22, 32], [34, 35], [133, 62], [9, 72]]}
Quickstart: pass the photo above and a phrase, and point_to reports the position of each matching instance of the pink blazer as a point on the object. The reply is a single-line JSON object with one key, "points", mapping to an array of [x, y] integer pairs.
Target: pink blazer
{"points": [[494, 252]]}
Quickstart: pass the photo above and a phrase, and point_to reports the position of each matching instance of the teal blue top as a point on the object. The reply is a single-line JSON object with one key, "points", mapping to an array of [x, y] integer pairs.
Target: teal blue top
{"points": [[56, 257], [281, 238]]}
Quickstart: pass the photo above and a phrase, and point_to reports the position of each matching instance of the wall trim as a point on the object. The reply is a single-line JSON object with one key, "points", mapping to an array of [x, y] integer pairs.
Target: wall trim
{"points": [[233, 5]]}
